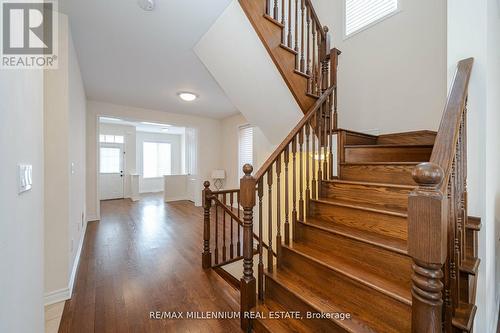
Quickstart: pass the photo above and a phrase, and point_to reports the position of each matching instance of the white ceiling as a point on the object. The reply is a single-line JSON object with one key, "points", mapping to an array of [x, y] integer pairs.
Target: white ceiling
{"points": [[143, 59]]}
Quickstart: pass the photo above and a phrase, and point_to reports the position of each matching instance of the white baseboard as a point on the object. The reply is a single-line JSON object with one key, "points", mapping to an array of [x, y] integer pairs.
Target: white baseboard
{"points": [[175, 199], [92, 218], [56, 296], [65, 293]]}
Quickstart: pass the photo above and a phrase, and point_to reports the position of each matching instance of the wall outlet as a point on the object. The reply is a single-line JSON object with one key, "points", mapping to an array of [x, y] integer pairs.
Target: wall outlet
{"points": [[24, 177]]}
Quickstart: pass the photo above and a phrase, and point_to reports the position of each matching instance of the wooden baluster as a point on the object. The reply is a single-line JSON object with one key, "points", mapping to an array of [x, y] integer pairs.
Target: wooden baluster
{"points": [[238, 243], [287, 204], [278, 208], [308, 70], [260, 278], [216, 252], [224, 229], [297, 57], [333, 71], [330, 139], [275, 12], [311, 82], [231, 245], [308, 190], [206, 258], [294, 187], [283, 22], [301, 174], [270, 219], [289, 37], [319, 78], [319, 130], [427, 227], [313, 166], [248, 282], [325, 138], [302, 43]]}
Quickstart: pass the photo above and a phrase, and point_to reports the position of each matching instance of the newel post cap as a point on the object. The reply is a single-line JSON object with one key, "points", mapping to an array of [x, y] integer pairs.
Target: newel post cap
{"points": [[428, 174], [247, 187]]}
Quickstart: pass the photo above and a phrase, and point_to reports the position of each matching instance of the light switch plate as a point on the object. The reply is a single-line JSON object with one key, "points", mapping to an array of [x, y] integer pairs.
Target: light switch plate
{"points": [[25, 174]]}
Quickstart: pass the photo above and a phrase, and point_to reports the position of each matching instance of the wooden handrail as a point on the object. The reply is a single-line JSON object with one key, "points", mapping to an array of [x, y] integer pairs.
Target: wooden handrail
{"points": [[447, 137], [437, 214], [312, 111]]}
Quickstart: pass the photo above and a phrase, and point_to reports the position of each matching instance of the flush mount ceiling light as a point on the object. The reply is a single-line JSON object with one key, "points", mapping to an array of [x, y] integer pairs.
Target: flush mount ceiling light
{"points": [[187, 96], [147, 5]]}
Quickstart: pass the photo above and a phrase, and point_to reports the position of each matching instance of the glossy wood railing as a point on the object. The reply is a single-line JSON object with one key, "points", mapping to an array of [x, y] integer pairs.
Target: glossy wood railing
{"points": [[280, 191], [222, 213], [303, 34], [437, 218]]}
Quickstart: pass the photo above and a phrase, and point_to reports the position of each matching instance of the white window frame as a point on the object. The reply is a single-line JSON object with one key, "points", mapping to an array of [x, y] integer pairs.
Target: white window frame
{"points": [[368, 26], [239, 166]]}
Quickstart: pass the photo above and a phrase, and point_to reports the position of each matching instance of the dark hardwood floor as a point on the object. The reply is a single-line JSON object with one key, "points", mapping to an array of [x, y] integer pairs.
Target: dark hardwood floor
{"points": [[143, 257]]}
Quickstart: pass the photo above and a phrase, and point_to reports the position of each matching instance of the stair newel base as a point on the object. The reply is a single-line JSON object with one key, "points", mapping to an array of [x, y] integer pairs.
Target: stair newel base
{"points": [[206, 257], [247, 282], [427, 298], [427, 245], [260, 278]]}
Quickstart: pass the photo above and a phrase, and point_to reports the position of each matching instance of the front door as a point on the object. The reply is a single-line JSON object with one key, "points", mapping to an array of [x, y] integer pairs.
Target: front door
{"points": [[111, 172]]}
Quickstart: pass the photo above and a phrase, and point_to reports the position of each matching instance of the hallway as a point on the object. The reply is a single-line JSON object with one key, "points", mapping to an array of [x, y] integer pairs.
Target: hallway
{"points": [[143, 257]]}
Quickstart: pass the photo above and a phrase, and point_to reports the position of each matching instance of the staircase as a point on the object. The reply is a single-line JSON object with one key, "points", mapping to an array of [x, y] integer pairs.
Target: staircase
{"points": [[373, 238]]}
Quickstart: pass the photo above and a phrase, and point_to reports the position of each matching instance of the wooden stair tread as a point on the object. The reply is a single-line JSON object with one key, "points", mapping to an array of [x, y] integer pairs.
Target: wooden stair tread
{"points": [[381, 163], [336, 262], [391, 145], [366, 183], [364, 206], [284, 325], [385, 242], [464, 316], [470, 265], [324, 299]]}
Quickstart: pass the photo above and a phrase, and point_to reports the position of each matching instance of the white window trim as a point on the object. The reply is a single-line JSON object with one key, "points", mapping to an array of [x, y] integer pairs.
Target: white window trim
{"points": [[238, 167], [368, 26]]}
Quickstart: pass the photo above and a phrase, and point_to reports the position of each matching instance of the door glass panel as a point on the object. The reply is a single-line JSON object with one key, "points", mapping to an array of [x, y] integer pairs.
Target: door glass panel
{"points": [[110, 160]]}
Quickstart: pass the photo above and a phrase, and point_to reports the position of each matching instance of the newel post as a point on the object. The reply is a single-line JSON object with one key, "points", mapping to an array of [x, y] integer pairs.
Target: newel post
{"points": [[247, 282], [206, 257], [427, 237], [334, 59]]}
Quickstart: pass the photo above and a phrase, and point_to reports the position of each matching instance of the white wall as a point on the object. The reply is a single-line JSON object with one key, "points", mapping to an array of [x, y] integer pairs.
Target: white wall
{"points": [[235, 56], [474, 30], [149, 185], [21, 216], [64, 144], [208, 134], [392, 76]]}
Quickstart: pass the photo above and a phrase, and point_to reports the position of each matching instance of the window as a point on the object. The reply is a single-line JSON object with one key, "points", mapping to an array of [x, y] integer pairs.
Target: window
{"points": [[360, 14], [245, 150], [110, 160], [111, 138], [157, 159]]}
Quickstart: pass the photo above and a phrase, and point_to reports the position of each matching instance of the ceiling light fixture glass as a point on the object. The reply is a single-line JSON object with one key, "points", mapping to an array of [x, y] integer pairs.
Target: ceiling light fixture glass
{"points": [[187, 96], [147, 5]]}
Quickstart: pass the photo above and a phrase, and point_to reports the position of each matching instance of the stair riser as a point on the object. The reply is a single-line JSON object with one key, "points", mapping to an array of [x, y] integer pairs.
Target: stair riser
{"points": [[389, 174], [368, 256], [352, 291], [291, 302], [383, 196], [383, 154], [388, 225]]}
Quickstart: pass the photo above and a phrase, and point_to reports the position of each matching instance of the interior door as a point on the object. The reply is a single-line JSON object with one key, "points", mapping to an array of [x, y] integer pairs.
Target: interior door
{"points": [[111, 172]]}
